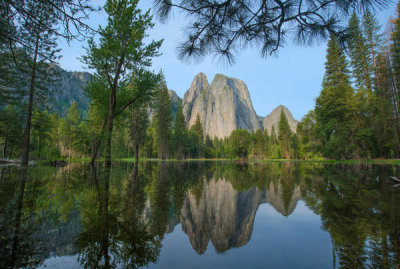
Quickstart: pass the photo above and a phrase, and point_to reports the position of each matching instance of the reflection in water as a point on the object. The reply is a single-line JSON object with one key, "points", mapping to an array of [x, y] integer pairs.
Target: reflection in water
{"points": [[120, 217]]}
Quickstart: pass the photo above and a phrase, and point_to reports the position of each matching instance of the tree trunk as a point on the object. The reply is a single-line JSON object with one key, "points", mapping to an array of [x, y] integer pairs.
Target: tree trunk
{"points": [[25, 159], [4, 147], [97, 143], [110, 125], [135, 135]]}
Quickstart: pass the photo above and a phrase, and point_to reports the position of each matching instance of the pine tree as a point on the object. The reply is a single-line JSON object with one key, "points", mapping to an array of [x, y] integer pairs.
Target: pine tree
{"points": [[163, 121], [373, 36], [197, 129], [260, 143], [360, 58], [273, 149], [180, 132], [239, 143], [333, 108], [395, 50], [284, 135], [336, 66], [41, 51], [386, 124]]}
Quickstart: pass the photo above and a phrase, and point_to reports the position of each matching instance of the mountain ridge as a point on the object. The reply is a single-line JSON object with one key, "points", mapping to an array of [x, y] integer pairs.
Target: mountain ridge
{"points": [[225, 105]]}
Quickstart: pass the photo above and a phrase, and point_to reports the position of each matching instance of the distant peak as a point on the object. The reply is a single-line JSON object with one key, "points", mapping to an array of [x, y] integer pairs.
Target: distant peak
{"points": [[200, 75], [220, 76]]}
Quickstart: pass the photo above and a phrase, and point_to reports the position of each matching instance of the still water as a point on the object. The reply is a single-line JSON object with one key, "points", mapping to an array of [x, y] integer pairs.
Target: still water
{"points": [[200, 215]]}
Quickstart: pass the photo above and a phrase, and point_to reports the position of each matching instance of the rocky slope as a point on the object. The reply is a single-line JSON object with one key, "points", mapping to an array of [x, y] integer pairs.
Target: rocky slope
{"points": [[225, 105], [226, 216], [70, 89]]}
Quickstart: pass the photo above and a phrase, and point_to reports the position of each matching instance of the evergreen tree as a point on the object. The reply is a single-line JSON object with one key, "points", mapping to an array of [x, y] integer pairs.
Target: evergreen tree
{"points": [[273, 149], [239, 141], [284, 135], [259, 144], [163, 120], [333, 107], [386, 124], [41, 51], [209, 151], [41, 127], [180, 132], [140, 121], [359, 55], [197, 130], [307, 134], [10, 130], [395, 52], [373, 36], [73, 120]]}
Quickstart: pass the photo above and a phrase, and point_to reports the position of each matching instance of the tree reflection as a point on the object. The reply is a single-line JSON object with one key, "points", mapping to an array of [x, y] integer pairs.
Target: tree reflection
{"points": [[118, 217], [114, 231]]}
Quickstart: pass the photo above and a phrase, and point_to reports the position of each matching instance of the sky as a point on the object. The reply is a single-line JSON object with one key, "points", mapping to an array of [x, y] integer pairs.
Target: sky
{"points": [[291, 78]]}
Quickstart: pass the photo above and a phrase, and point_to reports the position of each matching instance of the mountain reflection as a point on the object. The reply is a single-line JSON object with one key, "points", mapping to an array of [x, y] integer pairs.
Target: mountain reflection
{"points": [[119, 217]]}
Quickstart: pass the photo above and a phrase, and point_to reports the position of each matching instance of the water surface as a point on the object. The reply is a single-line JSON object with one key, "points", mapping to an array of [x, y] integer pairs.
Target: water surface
{"points": [[200, 215]]}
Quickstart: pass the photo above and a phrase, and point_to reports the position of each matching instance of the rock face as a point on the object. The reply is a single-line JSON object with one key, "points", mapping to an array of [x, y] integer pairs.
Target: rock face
{"points": [[272, 119], [226, 216], [69, 90], [222, 215], [223, 106]]}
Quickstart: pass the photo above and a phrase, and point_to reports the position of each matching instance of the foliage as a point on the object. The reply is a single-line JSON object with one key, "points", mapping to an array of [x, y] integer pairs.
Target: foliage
{"points": [[224, 27]]}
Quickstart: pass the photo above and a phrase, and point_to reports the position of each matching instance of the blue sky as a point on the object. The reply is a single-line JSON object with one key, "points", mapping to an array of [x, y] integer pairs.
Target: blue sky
{"points": [[291, 78]]}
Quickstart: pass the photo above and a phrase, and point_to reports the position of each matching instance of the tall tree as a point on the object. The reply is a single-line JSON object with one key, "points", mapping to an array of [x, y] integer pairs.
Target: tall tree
{"points": [[284, 135], [239, 141], [163, 121], [39, 54], [180, 132], [373, 35], [120, 53], [140, 121], [197, 129], [73, 120], [333, 106], [386, 119], [360, 58], [70, 14], [395, 55]]}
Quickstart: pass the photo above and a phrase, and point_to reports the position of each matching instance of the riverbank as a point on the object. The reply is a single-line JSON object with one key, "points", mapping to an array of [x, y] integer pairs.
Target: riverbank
{"points": [[373, 161]]}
